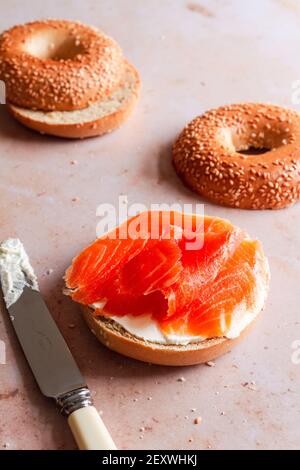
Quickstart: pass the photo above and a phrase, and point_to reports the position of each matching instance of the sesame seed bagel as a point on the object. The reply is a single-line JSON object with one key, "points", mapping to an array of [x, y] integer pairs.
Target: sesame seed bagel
{"points": [[208, 156], [58, 65], [97, 119]]}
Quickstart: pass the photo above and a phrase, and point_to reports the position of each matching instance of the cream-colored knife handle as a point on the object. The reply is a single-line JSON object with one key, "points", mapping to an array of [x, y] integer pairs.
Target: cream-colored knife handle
{"points": [[89, 430]]}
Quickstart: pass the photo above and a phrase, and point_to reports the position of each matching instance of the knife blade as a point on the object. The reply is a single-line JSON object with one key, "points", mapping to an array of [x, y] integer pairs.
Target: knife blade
{"points": [[45, 349], [47, 353]]}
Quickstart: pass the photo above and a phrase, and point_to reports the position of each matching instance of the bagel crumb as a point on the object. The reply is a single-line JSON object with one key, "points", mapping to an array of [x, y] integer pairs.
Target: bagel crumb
{"points": [[250, 385], [198, 420], [210, 364]]}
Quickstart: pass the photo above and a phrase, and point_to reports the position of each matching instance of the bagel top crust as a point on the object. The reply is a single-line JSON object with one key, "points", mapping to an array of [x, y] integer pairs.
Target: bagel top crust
{"points": [[206, 156], [39, 80]]}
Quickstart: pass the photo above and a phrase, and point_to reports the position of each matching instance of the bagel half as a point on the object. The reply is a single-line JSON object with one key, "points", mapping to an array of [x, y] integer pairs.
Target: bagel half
{"points": [[184, 315], [97, 119], [115, 337], [58, 65]]}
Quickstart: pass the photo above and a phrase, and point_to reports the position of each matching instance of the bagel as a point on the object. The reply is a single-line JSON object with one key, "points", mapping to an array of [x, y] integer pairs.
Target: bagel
{"points": [[154, 300], [58, 65], [97, 119], [208, 156]]}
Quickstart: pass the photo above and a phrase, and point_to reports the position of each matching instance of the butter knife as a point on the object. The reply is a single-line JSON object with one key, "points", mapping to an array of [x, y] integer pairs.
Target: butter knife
{"points": [[46, 351]]}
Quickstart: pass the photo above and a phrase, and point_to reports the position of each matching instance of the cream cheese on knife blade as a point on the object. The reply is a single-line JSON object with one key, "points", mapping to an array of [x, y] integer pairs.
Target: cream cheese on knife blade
{"points": [[16, 271]]}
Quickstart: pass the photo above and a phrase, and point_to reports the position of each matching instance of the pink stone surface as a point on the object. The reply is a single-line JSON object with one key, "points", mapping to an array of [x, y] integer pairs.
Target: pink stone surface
{"points": [[192, 56]]}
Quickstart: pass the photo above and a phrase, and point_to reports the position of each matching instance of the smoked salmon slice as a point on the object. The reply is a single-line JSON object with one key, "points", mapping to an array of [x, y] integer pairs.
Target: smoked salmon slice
{"points": [[195, 275]]}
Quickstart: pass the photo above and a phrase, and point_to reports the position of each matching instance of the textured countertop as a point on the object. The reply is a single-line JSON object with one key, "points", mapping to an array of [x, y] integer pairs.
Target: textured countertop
{"points": [[192, 56]]}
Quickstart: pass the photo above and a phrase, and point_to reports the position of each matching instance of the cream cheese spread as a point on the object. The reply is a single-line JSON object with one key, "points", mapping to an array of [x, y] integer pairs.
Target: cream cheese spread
{"points": [[16, 271]]}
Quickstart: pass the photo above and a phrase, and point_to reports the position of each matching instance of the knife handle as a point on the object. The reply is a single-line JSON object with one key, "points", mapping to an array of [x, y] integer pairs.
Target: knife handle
{"points": [[89, 430]]}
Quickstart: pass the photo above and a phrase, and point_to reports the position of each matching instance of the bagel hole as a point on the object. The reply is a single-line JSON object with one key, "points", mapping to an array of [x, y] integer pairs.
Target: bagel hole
{"points": [[259, 141], [254, 151], [53, 45]]}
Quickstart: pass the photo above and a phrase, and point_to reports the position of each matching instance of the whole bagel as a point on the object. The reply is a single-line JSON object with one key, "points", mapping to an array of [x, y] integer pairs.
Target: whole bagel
{"points": [[58, 65], [207, 156]]}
